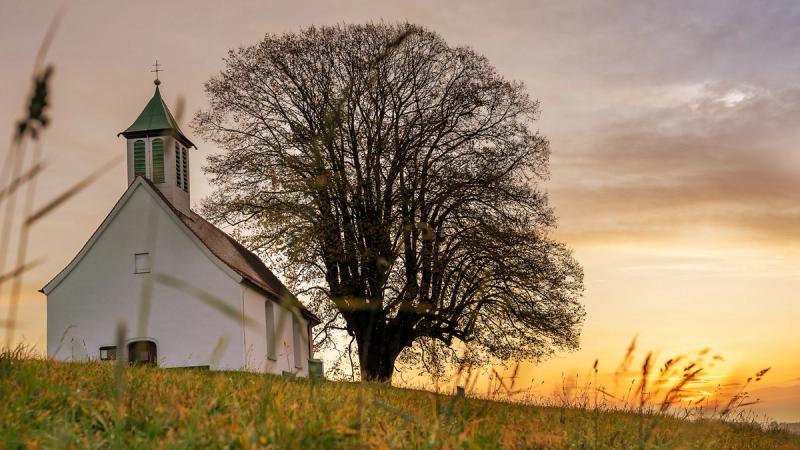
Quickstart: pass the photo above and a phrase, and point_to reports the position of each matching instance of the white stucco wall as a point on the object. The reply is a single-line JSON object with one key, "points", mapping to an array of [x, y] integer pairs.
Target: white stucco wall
{"points": [[103, 290], [255, 340]]}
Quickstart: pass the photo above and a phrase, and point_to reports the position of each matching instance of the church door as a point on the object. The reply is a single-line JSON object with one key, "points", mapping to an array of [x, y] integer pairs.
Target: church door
{"points": [[143, 352]]}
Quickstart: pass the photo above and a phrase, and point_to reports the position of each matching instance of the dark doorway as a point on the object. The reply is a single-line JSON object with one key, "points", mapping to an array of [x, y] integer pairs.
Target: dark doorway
{"points": [[143, 352]]}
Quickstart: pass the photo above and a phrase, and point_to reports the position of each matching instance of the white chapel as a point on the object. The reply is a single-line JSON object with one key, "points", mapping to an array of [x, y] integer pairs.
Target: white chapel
{"points": [[186, 293]]}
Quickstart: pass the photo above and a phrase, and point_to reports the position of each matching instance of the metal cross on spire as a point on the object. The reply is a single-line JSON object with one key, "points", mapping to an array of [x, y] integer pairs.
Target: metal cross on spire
{"points": [[156, 70]]}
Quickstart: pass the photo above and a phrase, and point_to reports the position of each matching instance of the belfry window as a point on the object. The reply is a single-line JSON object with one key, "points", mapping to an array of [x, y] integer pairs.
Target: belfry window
{"points": [[158, 160], [185, 170], [139, 161], [177, 165]]}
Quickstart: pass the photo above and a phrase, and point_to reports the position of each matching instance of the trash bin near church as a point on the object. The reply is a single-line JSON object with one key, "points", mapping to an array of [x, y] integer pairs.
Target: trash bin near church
{"points": [[315, 368]]}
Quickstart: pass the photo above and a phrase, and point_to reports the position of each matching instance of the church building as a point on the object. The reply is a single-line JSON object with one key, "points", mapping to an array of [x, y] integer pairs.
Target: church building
{"points": [[186, 293]]}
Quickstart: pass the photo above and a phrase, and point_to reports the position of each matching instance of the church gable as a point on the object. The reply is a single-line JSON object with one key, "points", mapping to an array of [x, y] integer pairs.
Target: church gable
{"points": [[144, 270], [123, 202], [226, 253]]}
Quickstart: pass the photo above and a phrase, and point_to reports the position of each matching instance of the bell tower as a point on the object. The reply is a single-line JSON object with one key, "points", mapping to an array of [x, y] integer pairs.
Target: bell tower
{"points": [[159, 151]]}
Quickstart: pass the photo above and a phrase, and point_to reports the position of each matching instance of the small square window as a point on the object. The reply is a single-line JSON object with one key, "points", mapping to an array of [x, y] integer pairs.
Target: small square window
{"points": [[108, 353], [142, 263]]}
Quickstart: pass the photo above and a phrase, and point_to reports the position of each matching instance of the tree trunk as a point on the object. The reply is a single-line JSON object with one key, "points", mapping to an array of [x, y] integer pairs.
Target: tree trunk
{"points": [[377, 355]]}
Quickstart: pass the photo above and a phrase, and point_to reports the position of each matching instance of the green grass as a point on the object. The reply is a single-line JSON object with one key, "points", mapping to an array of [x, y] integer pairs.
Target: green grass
{"points": [[45, 404]]}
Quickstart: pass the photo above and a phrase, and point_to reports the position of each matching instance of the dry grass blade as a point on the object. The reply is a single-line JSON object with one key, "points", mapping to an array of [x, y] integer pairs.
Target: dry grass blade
{"points": [[18, 182], [14, 165], [36, 118], [738, 400], [146, 292], [44, 47], [22, 246], [19, 271], [8, 323], [607, 394], [760, 374], [642, 389], [205, 297], [31, 125], [218, 351], [71, 192], [676, 390], [627, 359], [119, 367]]}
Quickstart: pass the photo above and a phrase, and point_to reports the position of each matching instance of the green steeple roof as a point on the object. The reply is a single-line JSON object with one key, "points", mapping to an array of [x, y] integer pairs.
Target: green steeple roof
{"points": [[156, 119]]}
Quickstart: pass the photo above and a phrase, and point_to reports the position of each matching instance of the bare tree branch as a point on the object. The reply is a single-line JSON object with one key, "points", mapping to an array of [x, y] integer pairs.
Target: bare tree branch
{"points": [[395, 179]]}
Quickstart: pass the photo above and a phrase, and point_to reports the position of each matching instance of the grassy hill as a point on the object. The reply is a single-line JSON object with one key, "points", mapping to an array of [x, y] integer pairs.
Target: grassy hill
{"points": [[46, 404]]}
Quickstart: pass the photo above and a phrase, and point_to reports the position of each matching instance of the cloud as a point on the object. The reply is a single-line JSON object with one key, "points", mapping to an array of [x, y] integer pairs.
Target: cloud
{"points": [[723, 157]]}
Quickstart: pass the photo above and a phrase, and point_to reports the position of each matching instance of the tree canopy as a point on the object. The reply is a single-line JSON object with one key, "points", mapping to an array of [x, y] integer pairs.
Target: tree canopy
{"points": [[396, 181]]}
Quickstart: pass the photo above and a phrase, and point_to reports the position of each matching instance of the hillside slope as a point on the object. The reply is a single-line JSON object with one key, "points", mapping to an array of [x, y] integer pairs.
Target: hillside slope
{"points": [[59, 405]]}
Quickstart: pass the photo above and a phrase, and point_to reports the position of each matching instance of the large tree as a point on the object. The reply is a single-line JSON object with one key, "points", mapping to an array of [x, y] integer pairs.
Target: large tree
{"points": [[396, 177]]}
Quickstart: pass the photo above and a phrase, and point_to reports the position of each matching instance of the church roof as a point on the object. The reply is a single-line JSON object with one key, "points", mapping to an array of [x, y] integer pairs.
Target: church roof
{"points": [[156, 118], [240, 259]]}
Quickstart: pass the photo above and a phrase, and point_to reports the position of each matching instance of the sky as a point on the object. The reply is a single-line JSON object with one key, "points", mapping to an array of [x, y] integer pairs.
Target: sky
{"points": [[674, 130]]}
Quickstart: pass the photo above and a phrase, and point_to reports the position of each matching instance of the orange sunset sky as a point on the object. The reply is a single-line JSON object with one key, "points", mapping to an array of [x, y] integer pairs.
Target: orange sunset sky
{"points": [[674, 128]]}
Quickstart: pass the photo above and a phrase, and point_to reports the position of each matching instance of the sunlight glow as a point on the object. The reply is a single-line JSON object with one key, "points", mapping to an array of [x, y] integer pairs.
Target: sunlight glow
{"points": [[733, 98]]}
